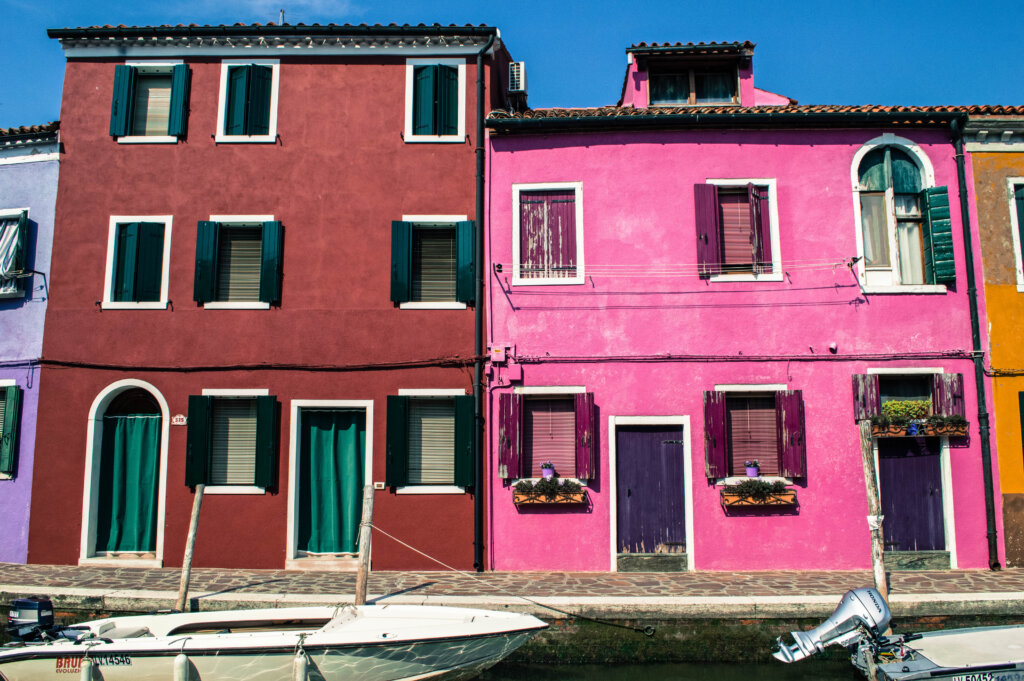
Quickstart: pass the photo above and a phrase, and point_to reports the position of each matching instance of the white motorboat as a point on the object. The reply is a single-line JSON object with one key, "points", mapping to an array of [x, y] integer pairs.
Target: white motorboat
{"points": [[346, 643], [860, 622]]}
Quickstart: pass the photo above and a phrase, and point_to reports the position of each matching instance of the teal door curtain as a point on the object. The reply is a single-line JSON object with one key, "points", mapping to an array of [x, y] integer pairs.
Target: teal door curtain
{"points": [[129, 462], [330, 484]]}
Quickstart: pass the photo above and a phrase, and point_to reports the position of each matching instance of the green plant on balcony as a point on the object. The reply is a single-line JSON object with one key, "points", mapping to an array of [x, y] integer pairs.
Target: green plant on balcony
{"points": [[755, 489], [902, 412], [548, 488]]}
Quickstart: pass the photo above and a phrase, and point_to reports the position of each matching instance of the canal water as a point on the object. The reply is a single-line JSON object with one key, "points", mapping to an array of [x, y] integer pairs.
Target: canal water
{"points": [[806, 670]]}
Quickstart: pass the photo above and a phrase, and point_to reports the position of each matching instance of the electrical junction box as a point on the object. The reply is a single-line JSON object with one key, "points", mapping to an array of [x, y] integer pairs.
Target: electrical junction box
{"points": [[498, 353]]}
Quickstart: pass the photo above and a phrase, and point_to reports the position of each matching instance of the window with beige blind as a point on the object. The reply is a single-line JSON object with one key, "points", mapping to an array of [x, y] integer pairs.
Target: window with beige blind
{"points": [[232, 441], [430, 441], [432, 263], [150, 102], [238, 263]]}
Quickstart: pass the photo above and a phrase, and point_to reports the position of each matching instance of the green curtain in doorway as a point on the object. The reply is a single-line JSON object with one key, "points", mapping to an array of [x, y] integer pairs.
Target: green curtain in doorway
{"points": [[331, 472], [126, 512]]}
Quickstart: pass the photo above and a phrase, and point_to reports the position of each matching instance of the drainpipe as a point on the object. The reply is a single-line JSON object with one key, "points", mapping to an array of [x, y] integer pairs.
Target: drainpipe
{"points": [[478, 340], [956, 125]]}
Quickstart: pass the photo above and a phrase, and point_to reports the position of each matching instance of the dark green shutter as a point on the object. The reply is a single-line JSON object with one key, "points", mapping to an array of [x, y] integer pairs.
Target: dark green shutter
{"points": [[396, 473], [197, 450], [21, 250], [465, 432], [206, 260], [447, 114], [238, 89], [424, 86], [9, 439], [266, 441], [178, 113], [125, 251], [465, 256], [124, 96], [401, 261], [258, 117], [149, 267], [938, 236], [270, 262]]}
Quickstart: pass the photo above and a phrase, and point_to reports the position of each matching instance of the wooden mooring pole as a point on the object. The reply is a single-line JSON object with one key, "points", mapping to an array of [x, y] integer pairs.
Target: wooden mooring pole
{"points": [[190, 543], [874, 509], [363, 575]]}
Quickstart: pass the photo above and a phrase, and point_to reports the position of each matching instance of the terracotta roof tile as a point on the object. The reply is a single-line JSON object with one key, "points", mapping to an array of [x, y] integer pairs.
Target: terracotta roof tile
{"points": [[30, 129], [797, 109], [746, 44]]}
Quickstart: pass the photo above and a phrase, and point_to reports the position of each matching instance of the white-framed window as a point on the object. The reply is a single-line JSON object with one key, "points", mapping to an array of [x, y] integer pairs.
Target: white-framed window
{"points": [[737, 222], [151, 102], [138, 262], [435, 100], [432, 262], [904, 231], [430, 441], [232, 437], [238, 262], [547, 233], [1015, 191], [247, 103], [14, 279]]}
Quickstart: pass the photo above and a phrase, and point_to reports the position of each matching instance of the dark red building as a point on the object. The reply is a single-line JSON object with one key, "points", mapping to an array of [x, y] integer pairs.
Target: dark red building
{"points": [[264, 281]]}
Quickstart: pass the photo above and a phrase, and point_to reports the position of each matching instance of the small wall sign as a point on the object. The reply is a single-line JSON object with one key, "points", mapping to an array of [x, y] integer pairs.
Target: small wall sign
{"points": [[179, 420]]}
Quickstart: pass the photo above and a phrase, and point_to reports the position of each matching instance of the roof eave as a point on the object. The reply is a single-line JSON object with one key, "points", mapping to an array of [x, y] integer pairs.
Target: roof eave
{"points": [[130, 32]]}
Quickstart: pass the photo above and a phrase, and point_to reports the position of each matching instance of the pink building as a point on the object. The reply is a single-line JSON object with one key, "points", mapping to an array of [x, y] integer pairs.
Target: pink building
{"points": [[707, 275]]}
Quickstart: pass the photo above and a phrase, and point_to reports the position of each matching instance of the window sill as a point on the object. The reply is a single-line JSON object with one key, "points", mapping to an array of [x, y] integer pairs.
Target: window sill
{"points": [[148, 139], [324, 563], [435, 139], [1020, 288], [534, 481], [13, 294], [745, 277], [226, 305], [103, 561], [245, 139], [234, 489], [5, 476], [563, 281], [911, 288], [737, 479], [123, 305], [432, 306], [430, 489]]}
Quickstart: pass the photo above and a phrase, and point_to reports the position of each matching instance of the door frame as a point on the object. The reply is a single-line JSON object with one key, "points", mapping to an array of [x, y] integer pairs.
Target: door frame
{"points": [[613, 519], [292, 560]]}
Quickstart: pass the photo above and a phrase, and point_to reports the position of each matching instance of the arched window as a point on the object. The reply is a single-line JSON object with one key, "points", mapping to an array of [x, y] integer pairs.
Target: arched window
{"points": [[905, 230]]}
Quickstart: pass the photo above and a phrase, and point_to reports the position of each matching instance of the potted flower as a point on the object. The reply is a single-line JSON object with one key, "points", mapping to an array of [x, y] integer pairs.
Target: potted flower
{"points": [[753, 468], [908, 418], [547, 469], [548, 491]]}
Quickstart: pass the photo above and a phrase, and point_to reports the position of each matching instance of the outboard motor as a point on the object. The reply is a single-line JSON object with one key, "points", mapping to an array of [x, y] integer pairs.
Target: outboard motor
{"points": [[860, 610], [29, 618]]}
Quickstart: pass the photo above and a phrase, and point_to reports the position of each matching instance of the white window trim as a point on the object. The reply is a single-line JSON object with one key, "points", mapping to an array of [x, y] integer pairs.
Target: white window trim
{"points": [[410, 65], [271, 135], [675, 420], [906, 371], [430, 489], [18, 293], [924, 163], [240, 393], [151, 139], [316, 561], [90, 496], [773, 219], [555, 391], [238, 220], [580, 277], [5, 382], [438, 220], [108, 286], [1018, 254]]}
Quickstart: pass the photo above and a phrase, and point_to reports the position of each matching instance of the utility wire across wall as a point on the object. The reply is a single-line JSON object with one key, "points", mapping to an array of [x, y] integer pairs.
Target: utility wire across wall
{"points": [[663, 270]]}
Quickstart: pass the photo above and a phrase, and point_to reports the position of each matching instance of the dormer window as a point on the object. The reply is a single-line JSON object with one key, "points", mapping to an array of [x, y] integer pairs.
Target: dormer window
{"points": [[692, 86]]}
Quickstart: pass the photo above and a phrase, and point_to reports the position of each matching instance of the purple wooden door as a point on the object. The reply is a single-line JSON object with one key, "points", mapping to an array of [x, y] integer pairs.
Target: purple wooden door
{"points": [[650, 479], [910, 482]]}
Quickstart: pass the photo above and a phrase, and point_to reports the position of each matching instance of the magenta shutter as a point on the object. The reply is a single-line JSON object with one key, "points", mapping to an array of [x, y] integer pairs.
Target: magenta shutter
{"points": [[948, 394], [586, 440], [760, 225], [789, 419], [866, 399], [547, 234], [705, 210], [510, 450], [716, 457]]}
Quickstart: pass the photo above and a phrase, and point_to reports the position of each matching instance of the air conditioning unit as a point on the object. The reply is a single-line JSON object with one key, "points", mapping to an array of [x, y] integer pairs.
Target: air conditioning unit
{"points": [[517, 76]]}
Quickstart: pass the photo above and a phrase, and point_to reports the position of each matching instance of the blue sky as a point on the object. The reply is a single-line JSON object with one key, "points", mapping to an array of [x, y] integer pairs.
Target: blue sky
{"points": [[818, 52]]}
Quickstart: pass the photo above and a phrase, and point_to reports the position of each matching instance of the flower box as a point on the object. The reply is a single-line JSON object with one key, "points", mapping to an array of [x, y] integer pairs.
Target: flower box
{"points": [[734, 500], [923, 430], [527, 498]]}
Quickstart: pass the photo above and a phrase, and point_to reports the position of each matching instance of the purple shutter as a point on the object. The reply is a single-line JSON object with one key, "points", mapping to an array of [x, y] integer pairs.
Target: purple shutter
{"points": [[562, 233], [948, 394], [510, 450], [866, 399], [532, 212], [586, 441], [789, 423], [547, 234], [705, 210], [716, 454], [760, 227]]}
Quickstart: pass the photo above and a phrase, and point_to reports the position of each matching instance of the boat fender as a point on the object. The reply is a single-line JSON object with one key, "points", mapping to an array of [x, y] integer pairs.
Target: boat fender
{"points": [[299, 666], [181, 666], [86, 671]]}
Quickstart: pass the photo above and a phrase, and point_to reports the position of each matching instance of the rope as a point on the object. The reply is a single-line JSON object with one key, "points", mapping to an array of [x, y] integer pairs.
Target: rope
{"points": [[647, 631]]}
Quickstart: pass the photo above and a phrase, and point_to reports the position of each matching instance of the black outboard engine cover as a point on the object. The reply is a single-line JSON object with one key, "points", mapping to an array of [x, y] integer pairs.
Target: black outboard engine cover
{"points": [[29, 618]]}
